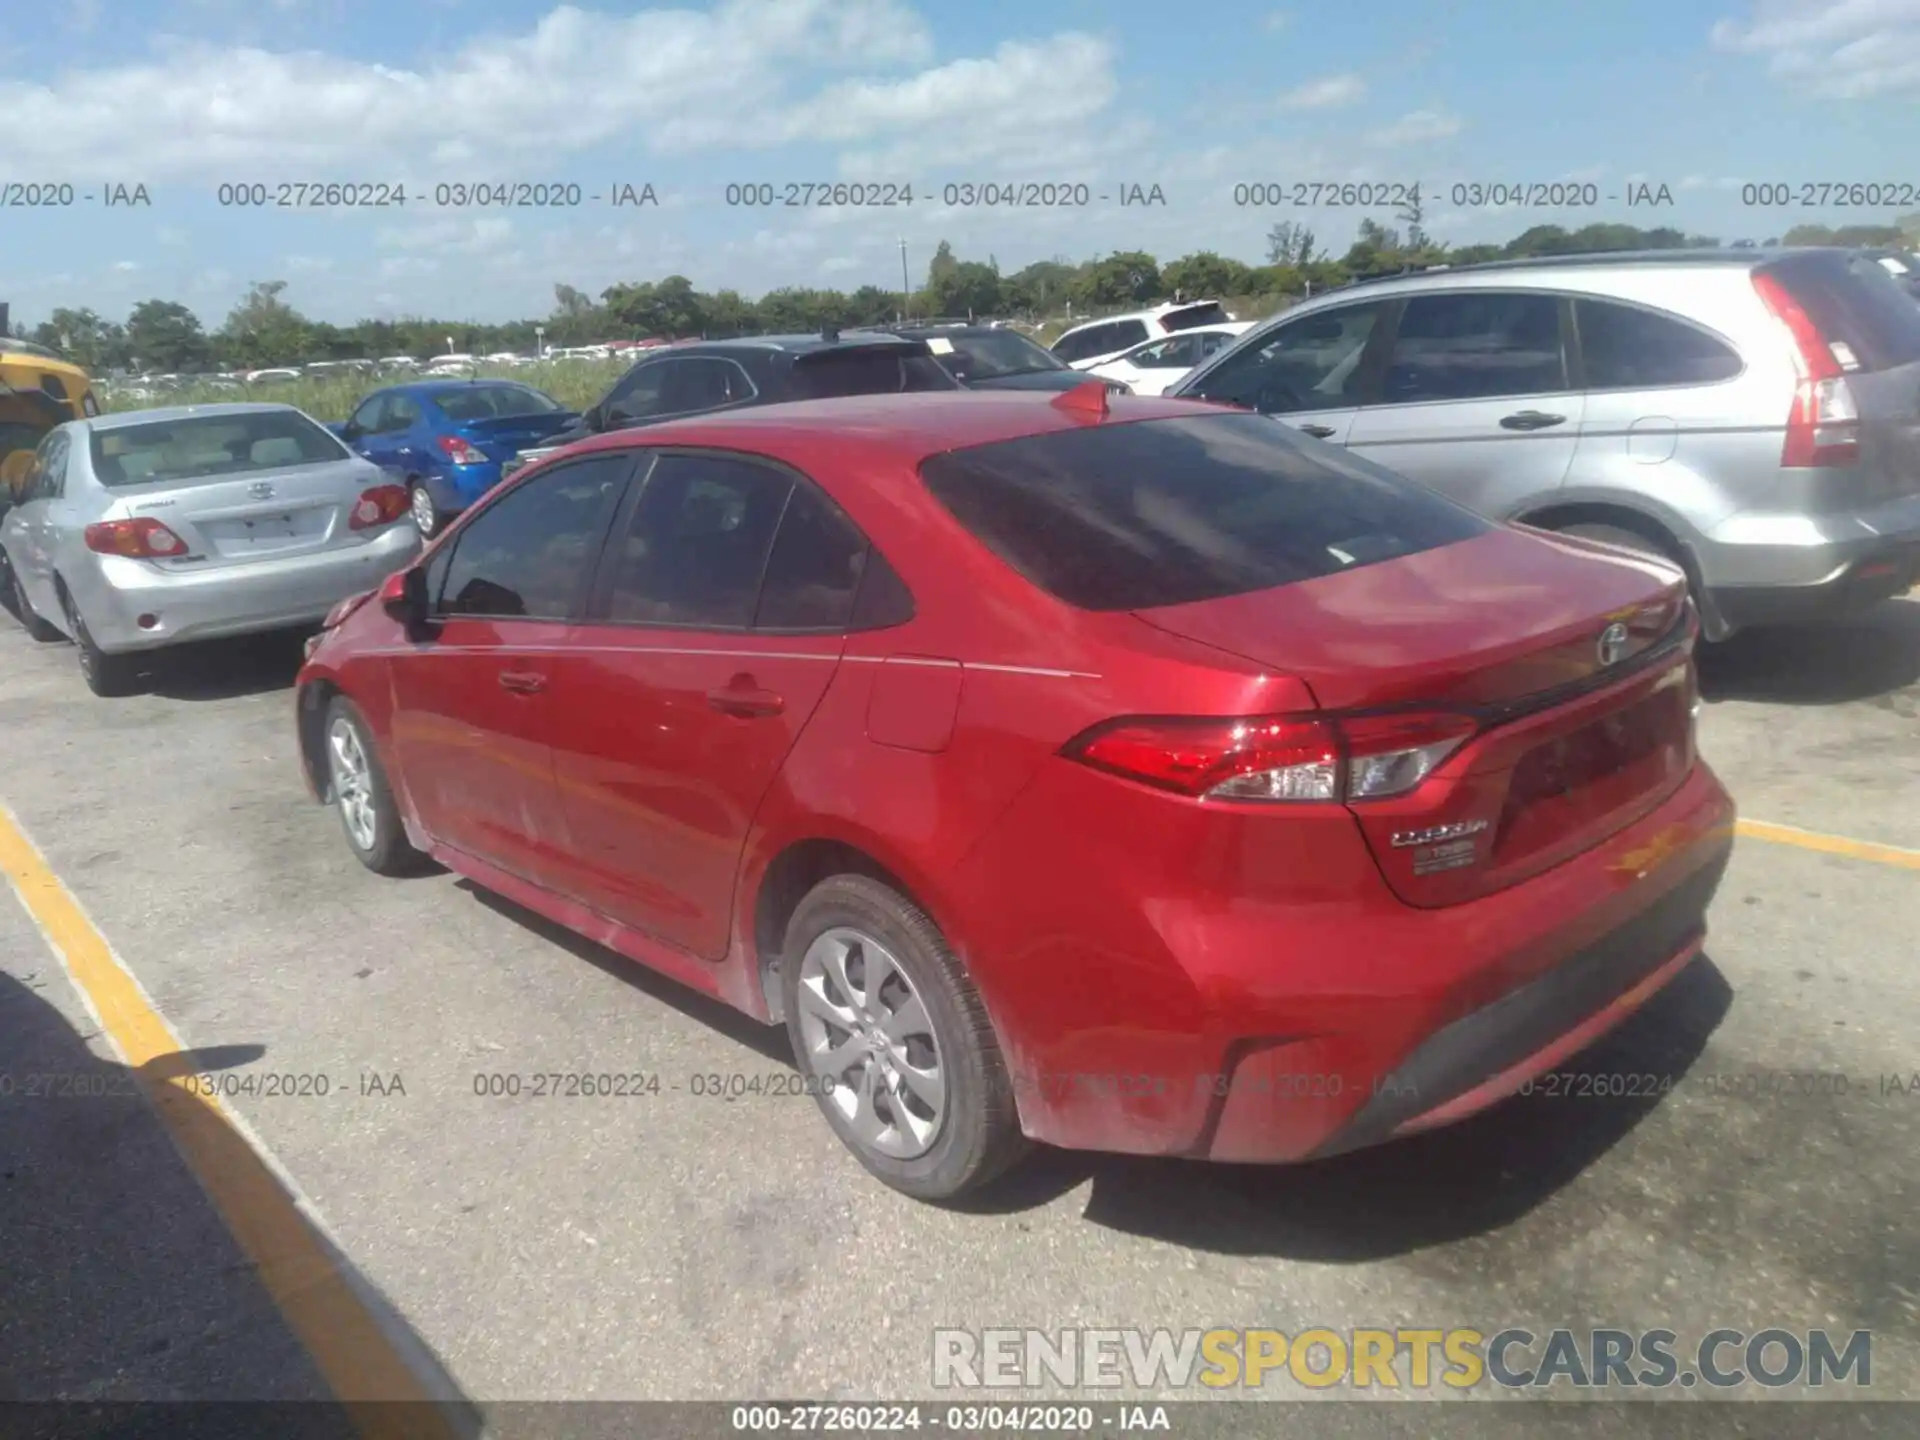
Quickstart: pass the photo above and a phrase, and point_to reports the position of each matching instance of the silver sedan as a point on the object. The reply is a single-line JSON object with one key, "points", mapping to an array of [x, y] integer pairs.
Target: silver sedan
{"points": [[141, 530]]}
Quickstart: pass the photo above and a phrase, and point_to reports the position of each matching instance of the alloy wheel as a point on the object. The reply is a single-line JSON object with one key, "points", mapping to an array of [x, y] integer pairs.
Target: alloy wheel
{"points": [[426, 516], [869, 1042], [352, 782]]}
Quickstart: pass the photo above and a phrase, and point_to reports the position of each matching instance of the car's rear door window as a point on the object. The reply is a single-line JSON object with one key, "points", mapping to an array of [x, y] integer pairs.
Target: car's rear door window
{"points": [[696, 546], [1166, 512], [868, 370], [1856, 304], [1476, 345]]}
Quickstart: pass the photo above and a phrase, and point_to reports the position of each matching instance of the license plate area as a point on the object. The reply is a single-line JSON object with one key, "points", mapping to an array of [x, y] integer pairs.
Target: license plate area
{"points": [[1571, 780]]}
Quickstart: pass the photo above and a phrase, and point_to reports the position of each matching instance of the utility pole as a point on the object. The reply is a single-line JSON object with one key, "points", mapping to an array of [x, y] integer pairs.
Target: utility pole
{"points": [[906, 285]]}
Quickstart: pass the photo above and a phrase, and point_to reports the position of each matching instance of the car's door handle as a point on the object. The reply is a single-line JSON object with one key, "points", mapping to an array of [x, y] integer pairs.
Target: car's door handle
{"points": [[1531, 420], [522, 682], [747, 701], [1318, 432]]}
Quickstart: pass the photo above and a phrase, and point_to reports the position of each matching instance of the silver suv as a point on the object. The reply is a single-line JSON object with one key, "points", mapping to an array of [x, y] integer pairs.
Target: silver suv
{"points": [[1753, 415]]}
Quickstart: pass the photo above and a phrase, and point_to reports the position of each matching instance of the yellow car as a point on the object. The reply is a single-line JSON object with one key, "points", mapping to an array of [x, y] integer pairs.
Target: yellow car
{"points": [[38, 390]]}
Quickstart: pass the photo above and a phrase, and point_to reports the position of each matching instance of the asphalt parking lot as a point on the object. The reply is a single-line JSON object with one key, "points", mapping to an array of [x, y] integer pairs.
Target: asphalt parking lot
{"points": [[680, 1245]]}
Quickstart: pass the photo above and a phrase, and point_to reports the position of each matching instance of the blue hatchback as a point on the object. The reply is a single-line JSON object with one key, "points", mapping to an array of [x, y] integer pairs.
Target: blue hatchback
{"points": [[448, 437]]}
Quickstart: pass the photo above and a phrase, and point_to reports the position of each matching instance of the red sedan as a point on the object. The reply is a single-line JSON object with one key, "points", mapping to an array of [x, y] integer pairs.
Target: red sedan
{"points": [[1148, 779]]}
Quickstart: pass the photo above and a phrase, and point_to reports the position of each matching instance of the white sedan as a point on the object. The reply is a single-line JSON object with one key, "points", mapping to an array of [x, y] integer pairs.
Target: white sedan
{"points": [[1151, 368]]}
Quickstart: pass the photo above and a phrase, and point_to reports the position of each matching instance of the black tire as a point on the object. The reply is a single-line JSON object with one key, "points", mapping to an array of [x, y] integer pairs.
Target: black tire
{"points": [[389, 852], [30, 618], [106, 675], [979, 1135], [1623, 537], [435, 521]]}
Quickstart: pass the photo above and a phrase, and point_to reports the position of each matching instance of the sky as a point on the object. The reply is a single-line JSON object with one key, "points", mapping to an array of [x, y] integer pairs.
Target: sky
{"points": [[182, 97]]}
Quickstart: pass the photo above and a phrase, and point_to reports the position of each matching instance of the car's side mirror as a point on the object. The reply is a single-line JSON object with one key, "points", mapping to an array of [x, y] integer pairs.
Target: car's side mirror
{"points": [[351, 432], [403, 595], [594, 417]]}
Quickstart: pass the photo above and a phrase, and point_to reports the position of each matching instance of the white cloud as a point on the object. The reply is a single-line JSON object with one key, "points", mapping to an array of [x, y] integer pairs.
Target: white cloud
{"points": [[1832, 49], [1324, 93], [126, 265], [668, 80], [1279, 20], [1417, 127]]}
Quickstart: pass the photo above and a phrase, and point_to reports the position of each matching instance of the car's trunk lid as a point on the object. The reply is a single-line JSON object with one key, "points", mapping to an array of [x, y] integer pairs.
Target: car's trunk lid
{"points": [[505, 436], [1574, 657], [259, 515]]}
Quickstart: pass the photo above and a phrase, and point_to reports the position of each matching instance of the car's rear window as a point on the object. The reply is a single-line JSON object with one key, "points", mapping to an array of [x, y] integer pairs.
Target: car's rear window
{"points": [[1854, 301], [1166, 512], [880, 370], [493, 402], [210, 446], [1185, 318]]}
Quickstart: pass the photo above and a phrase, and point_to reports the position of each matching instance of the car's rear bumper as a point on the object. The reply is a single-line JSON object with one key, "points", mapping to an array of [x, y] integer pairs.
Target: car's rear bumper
{"points": [[1779, 569], [1146, 1017], [232, 600]]}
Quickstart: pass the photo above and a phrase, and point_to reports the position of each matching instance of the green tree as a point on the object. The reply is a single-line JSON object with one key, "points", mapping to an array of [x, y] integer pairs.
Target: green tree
{"points": [[1204, 275], [166, 335], [966, 288], [1126, 277], [93, 343], [264, 330], [1290, 244]]}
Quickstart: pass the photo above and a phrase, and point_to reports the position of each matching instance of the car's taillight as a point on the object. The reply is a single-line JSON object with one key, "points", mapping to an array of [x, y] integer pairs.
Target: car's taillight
{"points": [[1277, 757], [1823, 423], [460, 452], [140, 539], [382, 505]]}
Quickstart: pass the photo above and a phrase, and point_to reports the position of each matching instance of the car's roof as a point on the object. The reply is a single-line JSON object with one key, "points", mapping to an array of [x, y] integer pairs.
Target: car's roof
{"points": [[1151, 313], [895, 429], [119, 419], [791, 344], [439, 385], [1538, 269]]}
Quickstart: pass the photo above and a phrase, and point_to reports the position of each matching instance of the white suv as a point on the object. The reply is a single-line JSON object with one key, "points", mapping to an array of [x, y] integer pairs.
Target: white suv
{"points": [[1098, 341]]}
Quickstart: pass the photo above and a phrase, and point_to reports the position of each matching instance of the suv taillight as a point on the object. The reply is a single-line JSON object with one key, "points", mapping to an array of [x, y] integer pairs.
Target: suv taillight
{"points": [[1823, 426], [382, 505], [140, 539], [1323, 758]]}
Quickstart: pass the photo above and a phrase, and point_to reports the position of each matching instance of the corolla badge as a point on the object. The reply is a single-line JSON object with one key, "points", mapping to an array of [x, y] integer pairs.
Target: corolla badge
{"points": [[1613, 643], [261, 489]]}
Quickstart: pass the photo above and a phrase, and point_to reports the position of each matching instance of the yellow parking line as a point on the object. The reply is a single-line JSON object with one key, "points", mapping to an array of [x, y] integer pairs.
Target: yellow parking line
{"points": [[361, 1363], [1829, 844]]}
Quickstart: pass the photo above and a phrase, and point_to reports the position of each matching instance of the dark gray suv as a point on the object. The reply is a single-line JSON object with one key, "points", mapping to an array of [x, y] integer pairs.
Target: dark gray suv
{"points": [[1753, 415]]}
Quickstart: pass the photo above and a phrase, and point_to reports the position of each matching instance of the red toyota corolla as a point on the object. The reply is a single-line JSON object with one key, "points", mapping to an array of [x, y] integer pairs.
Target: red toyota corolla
{"points": [[1153, 780]]}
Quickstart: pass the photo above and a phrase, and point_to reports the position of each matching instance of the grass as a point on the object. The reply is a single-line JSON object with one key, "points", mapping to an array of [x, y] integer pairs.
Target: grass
{"points": [[574, 383]]}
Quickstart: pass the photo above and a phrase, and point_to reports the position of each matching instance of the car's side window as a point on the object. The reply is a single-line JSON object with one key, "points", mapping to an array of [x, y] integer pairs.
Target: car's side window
{"points": [[527, 555], [642, 394], [1311, 363], [1100, 340], [1128, 332], [1623, 347], [1476, 345], [402, 412], [695, 550], [705, 383], [367, 417], [53, 477], [814, 572]]}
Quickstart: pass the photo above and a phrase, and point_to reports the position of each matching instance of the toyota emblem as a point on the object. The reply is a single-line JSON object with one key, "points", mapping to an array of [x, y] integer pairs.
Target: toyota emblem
{"points": [[1613, 643], [261, 489]]}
